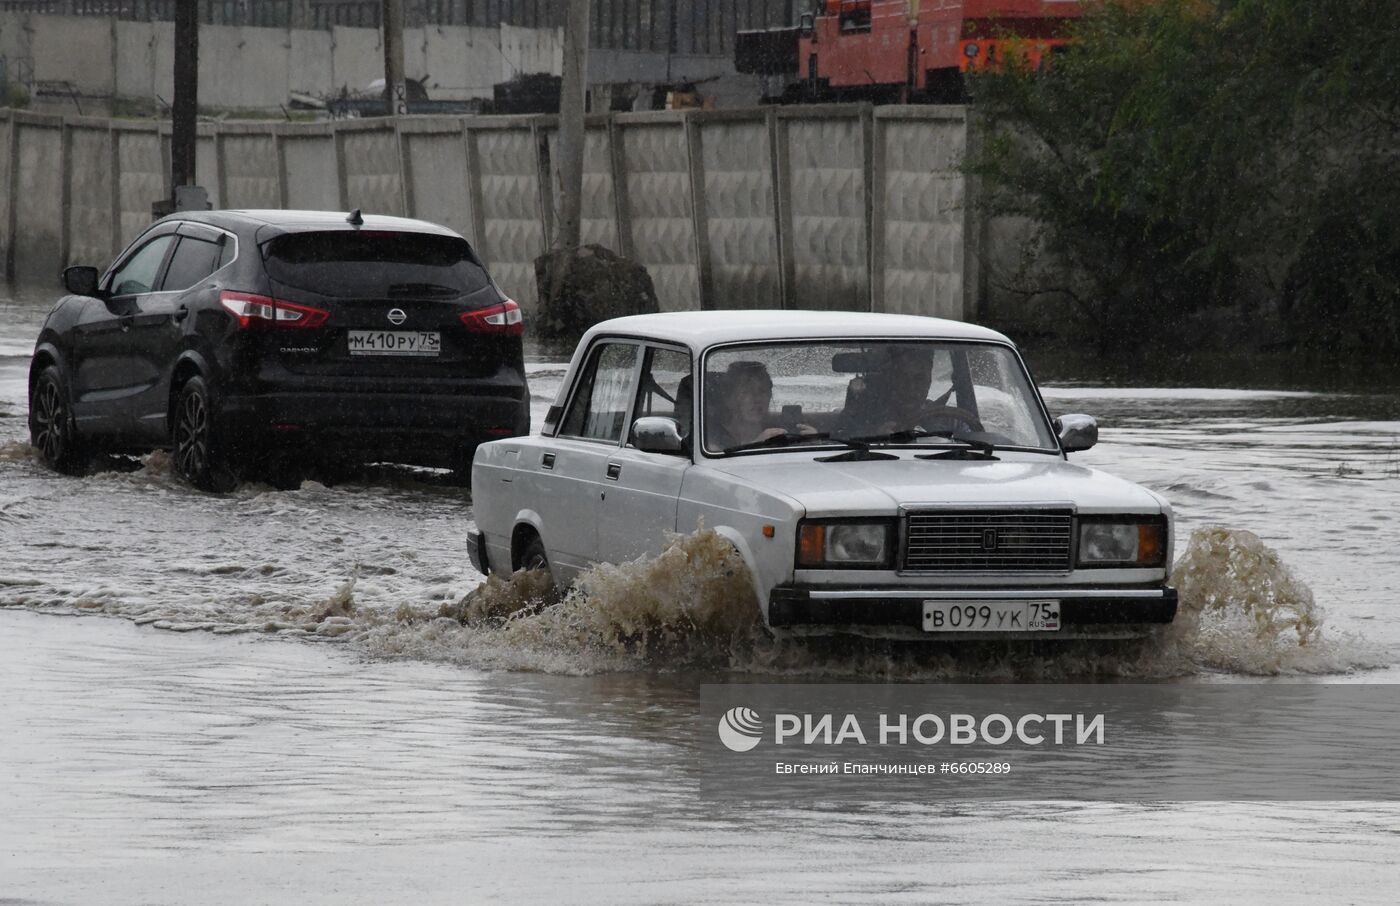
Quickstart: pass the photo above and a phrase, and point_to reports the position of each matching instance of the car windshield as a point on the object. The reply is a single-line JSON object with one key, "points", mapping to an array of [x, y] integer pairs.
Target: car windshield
{"points": [[878, 392]]}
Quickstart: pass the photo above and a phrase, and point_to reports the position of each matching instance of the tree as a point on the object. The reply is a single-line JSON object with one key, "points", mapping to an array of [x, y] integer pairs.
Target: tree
{"points": [[1187, 153]]}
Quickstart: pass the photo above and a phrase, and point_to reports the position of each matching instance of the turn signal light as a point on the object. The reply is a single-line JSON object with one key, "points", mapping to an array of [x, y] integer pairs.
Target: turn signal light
{"points": [[255, 312], [501, 319]]}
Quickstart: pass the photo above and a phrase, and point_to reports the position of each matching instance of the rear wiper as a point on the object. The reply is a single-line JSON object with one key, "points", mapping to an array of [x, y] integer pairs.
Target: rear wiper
{"points": [[422, 289]]}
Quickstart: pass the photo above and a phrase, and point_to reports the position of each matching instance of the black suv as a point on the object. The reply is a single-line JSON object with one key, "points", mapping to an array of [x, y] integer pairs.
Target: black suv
{"points": [[248, 341]]}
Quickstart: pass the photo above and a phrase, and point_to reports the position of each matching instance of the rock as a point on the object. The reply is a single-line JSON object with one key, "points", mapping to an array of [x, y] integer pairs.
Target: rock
{"points": [[599, 284]]}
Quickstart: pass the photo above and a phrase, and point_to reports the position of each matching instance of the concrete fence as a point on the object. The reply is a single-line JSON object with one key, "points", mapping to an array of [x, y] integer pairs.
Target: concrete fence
{"points": [[821, 207]]}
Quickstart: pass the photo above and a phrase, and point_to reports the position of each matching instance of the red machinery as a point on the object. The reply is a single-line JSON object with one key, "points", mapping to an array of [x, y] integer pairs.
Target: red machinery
{"points": [[901, 50]]}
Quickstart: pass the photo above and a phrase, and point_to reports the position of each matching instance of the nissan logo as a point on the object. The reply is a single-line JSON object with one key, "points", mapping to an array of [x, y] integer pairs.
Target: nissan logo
{"points": [[397, 316]]}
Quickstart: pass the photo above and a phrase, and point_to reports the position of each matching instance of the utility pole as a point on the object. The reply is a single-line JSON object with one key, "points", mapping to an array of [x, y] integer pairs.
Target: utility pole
{"points": [[569, 150], [185, 107], [395, 89]]}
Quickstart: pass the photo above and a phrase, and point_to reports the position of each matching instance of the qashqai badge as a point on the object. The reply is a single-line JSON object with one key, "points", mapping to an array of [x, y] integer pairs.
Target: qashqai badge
{"points": [[397, 316]]}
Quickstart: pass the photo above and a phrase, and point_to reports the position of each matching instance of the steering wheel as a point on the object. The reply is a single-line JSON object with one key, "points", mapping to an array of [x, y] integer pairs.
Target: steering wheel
{"points": [[955, 413]]}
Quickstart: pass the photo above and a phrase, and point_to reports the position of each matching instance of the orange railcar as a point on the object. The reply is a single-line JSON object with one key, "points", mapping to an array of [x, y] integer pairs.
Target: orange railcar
{"points": [[903, 50]]}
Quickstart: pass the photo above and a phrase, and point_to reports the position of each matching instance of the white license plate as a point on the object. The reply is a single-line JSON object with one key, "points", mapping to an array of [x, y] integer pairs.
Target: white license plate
{"points": [[394, 342], [991, 616]]}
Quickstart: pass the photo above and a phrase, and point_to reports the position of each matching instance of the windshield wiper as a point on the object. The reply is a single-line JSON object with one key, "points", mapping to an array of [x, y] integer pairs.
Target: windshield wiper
{"points": [[777, 440], [858, 449], [967, 447]]}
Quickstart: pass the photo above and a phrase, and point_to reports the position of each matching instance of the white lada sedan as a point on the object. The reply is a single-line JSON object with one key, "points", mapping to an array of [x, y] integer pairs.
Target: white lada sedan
{"points": [[883, 475]]}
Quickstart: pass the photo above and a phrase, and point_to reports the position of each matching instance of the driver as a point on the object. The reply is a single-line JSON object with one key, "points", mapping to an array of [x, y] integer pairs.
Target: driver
{"points": [[894, 397]]}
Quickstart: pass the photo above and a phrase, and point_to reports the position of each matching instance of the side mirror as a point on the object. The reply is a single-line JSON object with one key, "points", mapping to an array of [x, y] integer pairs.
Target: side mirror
{"points": [[80, 280], [1077, 432], [657, 434], [807, 24]]}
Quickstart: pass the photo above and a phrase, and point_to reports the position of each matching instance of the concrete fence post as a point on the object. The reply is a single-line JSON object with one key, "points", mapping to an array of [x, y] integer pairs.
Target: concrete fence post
{"points": [[279, 146], [699, 217], [407, 203], [476, 203], [11, 192], [781, 161], [65, 169], [342, 178], [974, 225], [221, 167], [875, 188], [544, 167], [621, 200], [114, 147], [875, 181]]}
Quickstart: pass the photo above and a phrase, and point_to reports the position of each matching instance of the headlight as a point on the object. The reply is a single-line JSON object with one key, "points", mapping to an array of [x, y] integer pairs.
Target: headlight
{"points": [[1124, 542], [845, 544]]}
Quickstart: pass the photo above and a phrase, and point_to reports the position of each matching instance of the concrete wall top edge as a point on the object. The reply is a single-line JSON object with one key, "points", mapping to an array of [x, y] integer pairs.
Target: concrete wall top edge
{"points": [[950, 112], [825, 111]]}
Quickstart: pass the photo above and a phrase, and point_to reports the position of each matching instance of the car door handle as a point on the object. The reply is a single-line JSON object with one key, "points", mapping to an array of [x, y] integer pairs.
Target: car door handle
{"points": [[180, 314], [547, 461], [614, 470]]}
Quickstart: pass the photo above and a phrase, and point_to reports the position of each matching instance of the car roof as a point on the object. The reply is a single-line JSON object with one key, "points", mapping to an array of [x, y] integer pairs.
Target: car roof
{"points": [[307, 221], [702, 329]]}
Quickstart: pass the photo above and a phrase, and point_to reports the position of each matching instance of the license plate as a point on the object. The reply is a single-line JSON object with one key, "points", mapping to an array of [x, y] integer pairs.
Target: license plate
{"points": [[991, 616], [394, 342]]}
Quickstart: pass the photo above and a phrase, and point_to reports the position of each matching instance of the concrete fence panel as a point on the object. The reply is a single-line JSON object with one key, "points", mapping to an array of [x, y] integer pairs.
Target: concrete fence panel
{"points": [[238, 64], [38, 200], [310, 173], [373, 173], [90, 212], [8, 138], [739, 210], [828, 208], [660, 208], [599, 215], [825, 165], [512, 216], [435, 165], [922, 212], [140, 180], [248, 166]]}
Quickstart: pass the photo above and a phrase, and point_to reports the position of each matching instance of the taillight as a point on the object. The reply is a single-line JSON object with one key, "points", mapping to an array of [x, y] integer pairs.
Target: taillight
{"points": [[254, 312], [504, 318]]}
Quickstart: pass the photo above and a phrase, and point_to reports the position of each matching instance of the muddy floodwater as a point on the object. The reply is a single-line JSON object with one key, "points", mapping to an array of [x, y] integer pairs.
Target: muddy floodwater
{"points": [[303, 695]]}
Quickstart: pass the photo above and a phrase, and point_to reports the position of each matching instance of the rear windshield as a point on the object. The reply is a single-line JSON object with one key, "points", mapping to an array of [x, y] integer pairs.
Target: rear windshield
{"points": [[368, 264]]}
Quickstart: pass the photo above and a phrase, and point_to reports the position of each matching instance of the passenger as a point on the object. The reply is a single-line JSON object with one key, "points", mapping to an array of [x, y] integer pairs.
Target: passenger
{"points": [[894, 397], [739, 407]]}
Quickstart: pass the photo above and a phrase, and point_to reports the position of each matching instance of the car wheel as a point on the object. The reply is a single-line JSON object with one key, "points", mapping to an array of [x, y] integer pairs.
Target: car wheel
{"points": [[534, 556], [198, 456], [51, 427]]}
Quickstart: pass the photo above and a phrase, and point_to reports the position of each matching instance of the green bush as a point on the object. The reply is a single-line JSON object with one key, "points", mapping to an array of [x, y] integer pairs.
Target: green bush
{"points": [[1188, 153]]}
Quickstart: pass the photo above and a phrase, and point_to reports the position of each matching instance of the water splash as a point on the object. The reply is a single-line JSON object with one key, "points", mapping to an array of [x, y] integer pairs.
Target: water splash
{"points": [[1242, 612]]}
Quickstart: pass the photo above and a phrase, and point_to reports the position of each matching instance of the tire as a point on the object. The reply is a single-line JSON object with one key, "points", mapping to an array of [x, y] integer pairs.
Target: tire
{"points": [[199, 457], [534, 556], [51, 428]]}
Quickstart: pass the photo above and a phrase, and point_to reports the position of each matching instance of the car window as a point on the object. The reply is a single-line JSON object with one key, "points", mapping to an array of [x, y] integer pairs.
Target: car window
{"points": [[665, 387], [375, 264], [194, 259], [599, 407], [138, 273]]}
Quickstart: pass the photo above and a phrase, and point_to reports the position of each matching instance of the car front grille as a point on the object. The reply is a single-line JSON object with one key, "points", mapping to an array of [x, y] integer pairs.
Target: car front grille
{"points": [[988, 541]]}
